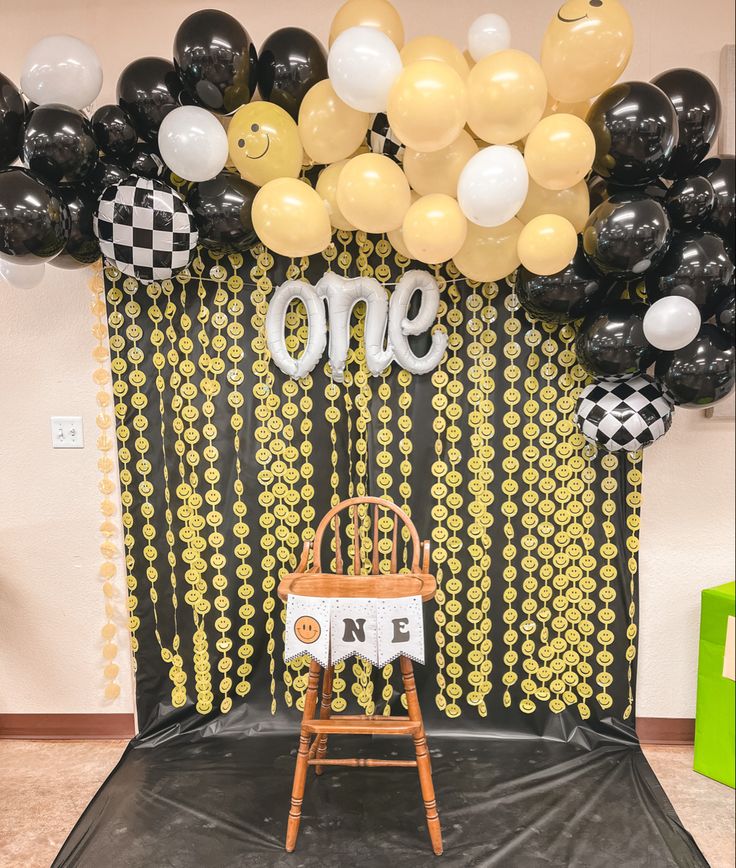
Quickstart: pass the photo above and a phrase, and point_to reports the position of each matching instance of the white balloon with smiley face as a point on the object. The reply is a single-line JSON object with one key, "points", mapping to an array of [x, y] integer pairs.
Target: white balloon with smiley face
{"points": [[586, 48], [264, 143]]}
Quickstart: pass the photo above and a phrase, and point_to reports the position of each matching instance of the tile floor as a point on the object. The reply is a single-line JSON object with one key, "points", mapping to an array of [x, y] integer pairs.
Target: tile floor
{"points": [[45, 785]]}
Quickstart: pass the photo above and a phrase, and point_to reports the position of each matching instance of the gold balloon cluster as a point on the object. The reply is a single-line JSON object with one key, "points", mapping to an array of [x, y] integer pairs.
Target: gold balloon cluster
{"points": [[443, 109]]}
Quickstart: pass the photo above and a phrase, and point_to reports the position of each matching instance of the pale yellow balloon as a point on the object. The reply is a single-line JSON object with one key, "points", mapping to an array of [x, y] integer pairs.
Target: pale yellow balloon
{"points": [[435, 48], [438, 171], [369, 13], [373, 193], [579, 109], [327, 188], [469, 59], [290, 218], [559, 151], [507, 95], [547, 244], [329, 129], [490, 254], [586, 48], [264, 144], [396, 236], [427, 105], [434, 228], [573, 204]]}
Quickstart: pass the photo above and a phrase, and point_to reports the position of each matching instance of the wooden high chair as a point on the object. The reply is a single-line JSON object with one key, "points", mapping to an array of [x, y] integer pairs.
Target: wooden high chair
{"points": [[315, 582]]}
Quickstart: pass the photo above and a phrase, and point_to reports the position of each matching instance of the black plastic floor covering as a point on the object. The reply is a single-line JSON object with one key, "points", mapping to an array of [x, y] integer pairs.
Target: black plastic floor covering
{"points": [[222, 800]]}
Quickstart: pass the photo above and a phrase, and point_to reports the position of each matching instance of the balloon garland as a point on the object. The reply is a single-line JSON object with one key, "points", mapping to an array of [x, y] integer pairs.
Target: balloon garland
{"points": [[612, 210]]}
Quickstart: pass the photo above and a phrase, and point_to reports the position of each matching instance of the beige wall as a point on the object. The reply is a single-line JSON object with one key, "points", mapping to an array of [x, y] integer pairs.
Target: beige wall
{"points": [[51, 605]]}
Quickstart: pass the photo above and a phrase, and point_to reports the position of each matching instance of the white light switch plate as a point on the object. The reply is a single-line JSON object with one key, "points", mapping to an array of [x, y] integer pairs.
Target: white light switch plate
{"points": [[67, 432]]}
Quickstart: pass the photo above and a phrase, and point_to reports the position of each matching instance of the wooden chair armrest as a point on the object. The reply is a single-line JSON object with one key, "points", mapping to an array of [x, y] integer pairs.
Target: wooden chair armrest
{"points": [[425, 556], [304, 562]]}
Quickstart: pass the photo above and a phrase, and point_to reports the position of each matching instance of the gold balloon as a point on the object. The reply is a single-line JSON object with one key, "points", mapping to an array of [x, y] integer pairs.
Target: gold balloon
{"points": [[396, 236], [434, 228], [327, 188], [555, 107], [489, 254], [435, 48], [369, 13], [547, 244], [573, 204], [586, 48], [373, 193], [264, 143], [438, 171], [330, 130], [427, 105], [290, 218], [559, 151], [507, 95]]}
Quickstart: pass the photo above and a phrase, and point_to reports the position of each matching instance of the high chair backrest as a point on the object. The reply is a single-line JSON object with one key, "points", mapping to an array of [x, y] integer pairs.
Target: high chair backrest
{"points": [[348, 514]]}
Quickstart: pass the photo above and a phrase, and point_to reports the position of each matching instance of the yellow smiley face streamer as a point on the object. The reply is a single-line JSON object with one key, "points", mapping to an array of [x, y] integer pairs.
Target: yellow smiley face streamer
{"points": [[586, 47], [264, 143]]}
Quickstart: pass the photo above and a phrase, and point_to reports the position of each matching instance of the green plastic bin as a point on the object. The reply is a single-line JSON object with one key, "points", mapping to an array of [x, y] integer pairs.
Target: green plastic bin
{"points": [[715, 735]]}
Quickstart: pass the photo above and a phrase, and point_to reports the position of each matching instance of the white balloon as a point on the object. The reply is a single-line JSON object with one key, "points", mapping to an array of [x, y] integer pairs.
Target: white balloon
{"points": [[342, 294], [193, 143], [62, 69], [493, 185], [22, 276], [362, 65], [400, 326], [316, 326], [672, 323], [488, 34]]}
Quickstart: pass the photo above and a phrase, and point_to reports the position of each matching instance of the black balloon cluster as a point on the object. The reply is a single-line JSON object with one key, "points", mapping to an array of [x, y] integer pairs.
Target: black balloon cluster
{"points": [[68, 159], [661, 227]]}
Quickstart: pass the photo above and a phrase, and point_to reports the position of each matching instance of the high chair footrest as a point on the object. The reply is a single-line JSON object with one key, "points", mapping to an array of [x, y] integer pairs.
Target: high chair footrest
{"points": [[362, 725]]}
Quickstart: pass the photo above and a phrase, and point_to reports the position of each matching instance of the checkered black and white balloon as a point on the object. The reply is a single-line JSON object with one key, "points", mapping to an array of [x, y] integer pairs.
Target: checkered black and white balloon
{"points": [[145, 229], [624, 415], [382, 141]]}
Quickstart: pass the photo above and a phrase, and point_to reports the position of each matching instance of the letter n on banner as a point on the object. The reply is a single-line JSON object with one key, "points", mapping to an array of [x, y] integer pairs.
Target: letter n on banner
{"points": [[354, 628]]}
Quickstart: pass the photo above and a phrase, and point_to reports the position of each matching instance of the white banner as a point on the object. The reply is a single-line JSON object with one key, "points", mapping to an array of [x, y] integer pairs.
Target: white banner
{"points": [[308, 628], [378, 630]]}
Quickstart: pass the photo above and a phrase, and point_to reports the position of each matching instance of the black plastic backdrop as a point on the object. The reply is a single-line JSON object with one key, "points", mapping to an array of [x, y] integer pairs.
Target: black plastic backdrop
{"points": [[512, 788]]}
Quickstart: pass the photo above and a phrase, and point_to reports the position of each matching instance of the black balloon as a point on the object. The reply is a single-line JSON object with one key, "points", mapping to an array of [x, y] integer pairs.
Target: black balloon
{"points": [[216, 60], [690, 201], [222, 212], [698, 108], [721, 172], [12, 121], [291, 61], [635, 130], [726, 316], [701, 373], [114, 131], [148, 90], [59, 145], [105, 174], [565, 296], [82, 248], [146, 161], [34, 221], [611, 341], [697, 267], [626, 235]]}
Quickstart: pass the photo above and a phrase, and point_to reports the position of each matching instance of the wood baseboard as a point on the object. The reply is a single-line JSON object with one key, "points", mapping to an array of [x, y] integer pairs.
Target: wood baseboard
{"points": [[67, 726], [666, 730]]}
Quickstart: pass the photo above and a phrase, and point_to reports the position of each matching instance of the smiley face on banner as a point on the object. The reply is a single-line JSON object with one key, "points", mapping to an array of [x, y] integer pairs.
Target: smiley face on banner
{"points": [[264, 143]]}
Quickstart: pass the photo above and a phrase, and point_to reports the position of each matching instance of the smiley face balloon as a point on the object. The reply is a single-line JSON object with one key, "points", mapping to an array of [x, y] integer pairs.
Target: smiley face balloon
{"points": [[586, 47], [264, 143]]}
